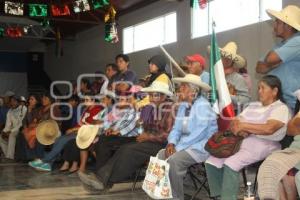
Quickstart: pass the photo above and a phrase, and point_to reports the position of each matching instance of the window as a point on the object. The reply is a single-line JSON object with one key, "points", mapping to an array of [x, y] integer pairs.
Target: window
{"points": [[231, 14], [161, 30]]}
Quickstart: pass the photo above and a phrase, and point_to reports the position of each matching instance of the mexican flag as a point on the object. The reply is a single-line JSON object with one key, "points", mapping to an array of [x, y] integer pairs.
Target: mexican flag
{"points": [[220, 96]]}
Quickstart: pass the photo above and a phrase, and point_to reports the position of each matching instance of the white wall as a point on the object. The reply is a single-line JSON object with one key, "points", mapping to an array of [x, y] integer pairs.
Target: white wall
{"points": [[90, 52]]}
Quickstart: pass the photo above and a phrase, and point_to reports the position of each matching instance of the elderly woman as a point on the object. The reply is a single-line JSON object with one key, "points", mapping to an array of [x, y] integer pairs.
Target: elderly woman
{"points": [[194, 124], [276, 177], [263, 124]]}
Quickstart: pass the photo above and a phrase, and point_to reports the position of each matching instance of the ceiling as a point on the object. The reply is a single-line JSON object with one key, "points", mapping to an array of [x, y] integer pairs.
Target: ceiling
{"points": [[75, 23]]}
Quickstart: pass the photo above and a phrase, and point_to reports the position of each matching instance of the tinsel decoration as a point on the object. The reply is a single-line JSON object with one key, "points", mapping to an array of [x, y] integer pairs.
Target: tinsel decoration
{"points": [[14, 32], [111, 33]]}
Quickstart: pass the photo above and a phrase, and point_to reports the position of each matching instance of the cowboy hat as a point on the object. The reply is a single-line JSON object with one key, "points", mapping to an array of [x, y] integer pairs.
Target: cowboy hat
{"points": [[22, 99], [289, 15], [8, 94], [193, 79], [109, 93], [230, 51], [86, 135], [158, 86], [47, 131]]}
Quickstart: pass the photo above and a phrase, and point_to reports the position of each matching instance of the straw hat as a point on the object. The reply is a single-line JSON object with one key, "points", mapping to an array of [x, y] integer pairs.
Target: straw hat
{"points": [[289, 15], [47, 131], [158, 86], [193, 79], [230, 51], [86, 135], [8, 94]]}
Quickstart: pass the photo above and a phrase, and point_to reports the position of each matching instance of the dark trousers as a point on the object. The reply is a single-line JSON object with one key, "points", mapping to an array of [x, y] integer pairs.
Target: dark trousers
{"points": [[71, 152], [24, 153], [107, 146], [126, 161]]}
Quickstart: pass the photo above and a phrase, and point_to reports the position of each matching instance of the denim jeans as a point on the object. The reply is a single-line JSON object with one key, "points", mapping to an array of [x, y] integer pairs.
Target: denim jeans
{"points": [[58, 147]]}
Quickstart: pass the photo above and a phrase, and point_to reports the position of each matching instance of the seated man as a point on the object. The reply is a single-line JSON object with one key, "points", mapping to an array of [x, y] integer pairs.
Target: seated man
{"points": [[196, 65], [195, 123], [238, 88], [119, 128], [157, 123], [14, 118]]}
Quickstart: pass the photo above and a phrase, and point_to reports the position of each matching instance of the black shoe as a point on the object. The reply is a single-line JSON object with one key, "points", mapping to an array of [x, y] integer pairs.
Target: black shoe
{"points": [[91, 180]]}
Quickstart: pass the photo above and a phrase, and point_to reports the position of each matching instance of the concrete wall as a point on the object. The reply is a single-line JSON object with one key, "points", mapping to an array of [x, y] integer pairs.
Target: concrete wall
{"points": [[90, 52]]}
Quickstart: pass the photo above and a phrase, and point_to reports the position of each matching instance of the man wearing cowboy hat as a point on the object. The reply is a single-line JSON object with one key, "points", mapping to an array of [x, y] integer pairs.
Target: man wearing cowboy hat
{"points": [[5, 107], [236, 83], [13, 123], [195, 123], [157, 121], [284, 59]]}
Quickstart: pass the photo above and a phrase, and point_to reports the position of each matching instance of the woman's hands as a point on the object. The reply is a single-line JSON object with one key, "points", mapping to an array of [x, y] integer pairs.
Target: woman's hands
{"points": [[237, 128]]}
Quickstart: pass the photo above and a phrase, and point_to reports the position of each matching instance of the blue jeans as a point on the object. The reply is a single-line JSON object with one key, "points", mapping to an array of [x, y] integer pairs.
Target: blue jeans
{"points": [[58, 147]]}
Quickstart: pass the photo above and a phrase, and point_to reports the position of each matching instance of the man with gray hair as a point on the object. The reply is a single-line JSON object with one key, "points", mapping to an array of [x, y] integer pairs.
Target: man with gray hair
{"points": [[195, 123]]}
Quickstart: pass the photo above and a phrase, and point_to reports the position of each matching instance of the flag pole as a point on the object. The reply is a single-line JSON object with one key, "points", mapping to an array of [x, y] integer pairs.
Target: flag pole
{"points": [[172, 60]]}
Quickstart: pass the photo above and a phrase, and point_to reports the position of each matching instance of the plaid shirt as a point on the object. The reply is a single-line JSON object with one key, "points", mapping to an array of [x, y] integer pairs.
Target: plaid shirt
{"points": [[122, 120]]}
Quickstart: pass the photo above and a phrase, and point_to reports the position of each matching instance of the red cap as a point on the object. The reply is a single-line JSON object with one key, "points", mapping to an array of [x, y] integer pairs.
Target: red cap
{"points": [[196, 58]]}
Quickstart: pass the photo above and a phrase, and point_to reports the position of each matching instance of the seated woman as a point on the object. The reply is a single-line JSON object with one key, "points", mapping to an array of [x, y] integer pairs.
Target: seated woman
{"points": [[263, 124], [34, 148], [72, 151], [195, 123], [157, 69], [276, 176], [87, 117], [23, 152]]}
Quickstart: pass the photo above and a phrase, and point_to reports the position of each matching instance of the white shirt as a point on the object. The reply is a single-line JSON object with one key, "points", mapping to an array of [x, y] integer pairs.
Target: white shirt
{"points": [[14, 119]]}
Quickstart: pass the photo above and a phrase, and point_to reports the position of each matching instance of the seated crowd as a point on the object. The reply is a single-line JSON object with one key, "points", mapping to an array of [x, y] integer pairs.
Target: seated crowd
{"points": [[120, 122]]}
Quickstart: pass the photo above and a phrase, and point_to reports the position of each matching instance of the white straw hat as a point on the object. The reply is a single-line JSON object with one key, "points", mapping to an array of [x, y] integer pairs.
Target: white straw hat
{"points": [[158, 86], [289, 15], [86, 135], [193, 79], [230, 51]]}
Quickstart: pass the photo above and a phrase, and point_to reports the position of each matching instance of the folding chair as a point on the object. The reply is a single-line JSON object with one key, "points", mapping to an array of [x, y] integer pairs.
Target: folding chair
{"points": [[138, 174], [256, 165], [198, 175]]}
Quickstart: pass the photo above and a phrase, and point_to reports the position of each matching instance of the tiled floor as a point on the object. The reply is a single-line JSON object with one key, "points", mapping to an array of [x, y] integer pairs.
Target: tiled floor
{"points": [[20, 182]]}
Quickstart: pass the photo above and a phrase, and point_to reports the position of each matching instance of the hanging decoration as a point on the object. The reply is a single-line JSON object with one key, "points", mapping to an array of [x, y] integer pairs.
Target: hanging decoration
{"points": [[81, 6], [14, 32], [111, 33], [38, 10], [202, 4], [1, 32], [13, 8], [198, 4], [100, 3], [60, 10]]}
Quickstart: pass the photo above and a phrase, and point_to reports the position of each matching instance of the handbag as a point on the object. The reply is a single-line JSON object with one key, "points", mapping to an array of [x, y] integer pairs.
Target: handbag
{"points": [[223, 144], [157, 183]]}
